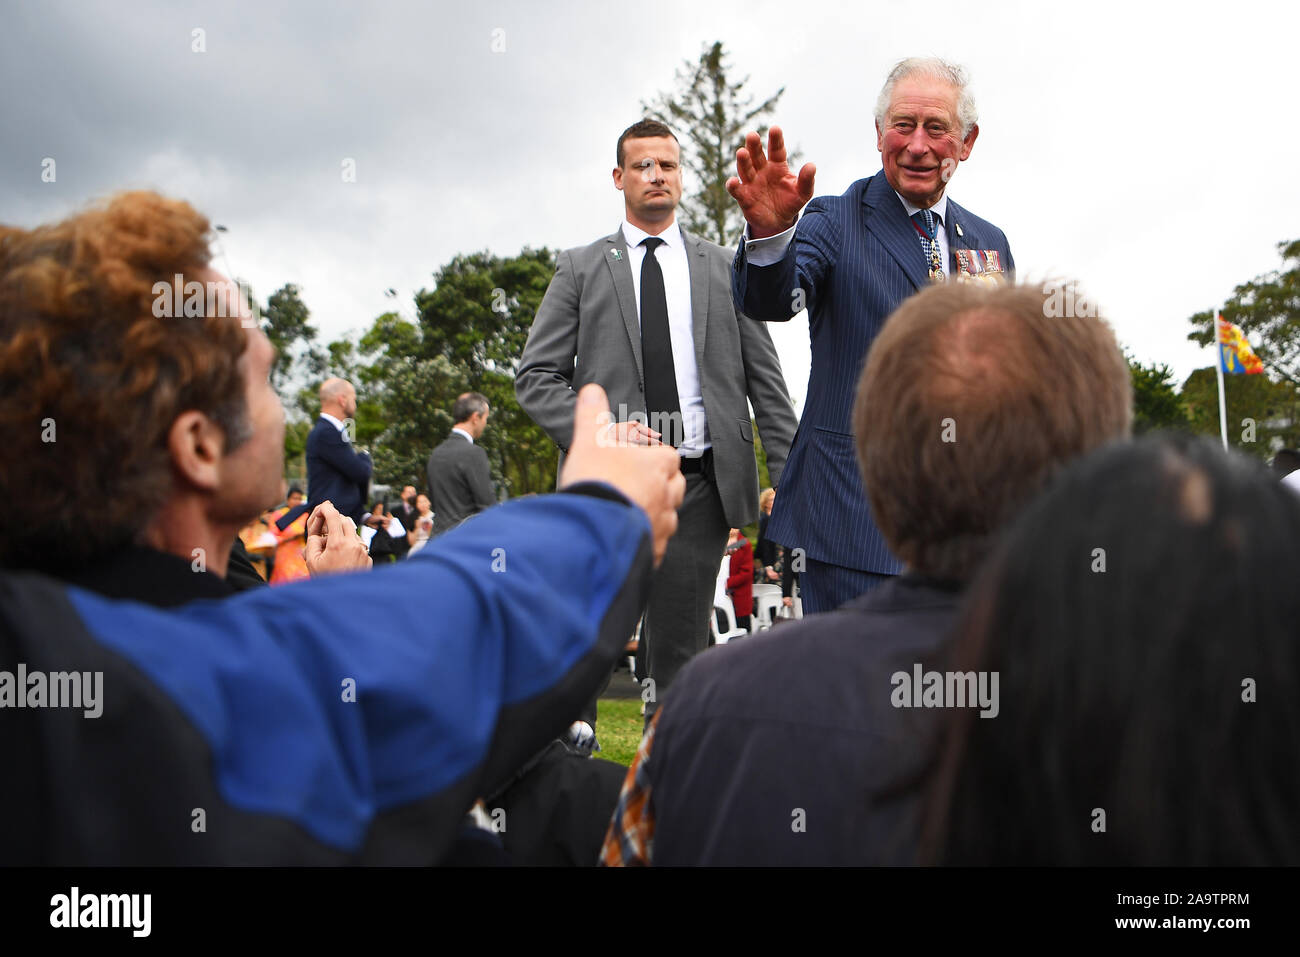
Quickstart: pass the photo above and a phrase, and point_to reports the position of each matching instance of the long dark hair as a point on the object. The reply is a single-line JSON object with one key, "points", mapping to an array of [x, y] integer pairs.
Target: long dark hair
{"points": [[1143, 618]]}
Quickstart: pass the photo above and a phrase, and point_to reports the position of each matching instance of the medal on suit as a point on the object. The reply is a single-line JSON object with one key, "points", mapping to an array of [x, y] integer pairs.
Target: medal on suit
{"points": [[980, 265], [936, 262]]}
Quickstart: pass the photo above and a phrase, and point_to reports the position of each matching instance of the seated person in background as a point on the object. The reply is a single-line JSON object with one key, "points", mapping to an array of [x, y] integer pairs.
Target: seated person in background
{"points": [[787, 749], [419, 536], [740, 579], [296, 733], [1285, 461], [290, 551], [377, 531], [144, 435], [765, 552], [1142, 619]]}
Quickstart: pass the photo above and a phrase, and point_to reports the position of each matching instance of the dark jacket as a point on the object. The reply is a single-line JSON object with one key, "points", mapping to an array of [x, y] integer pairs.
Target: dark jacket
{"points": [[765, 550], [336, 472], [785, 749], [460, 482], [228, 733]]}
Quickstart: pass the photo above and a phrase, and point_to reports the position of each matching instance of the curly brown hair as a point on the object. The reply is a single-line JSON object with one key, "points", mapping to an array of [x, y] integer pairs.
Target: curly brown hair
{"points": [[91, 381]]}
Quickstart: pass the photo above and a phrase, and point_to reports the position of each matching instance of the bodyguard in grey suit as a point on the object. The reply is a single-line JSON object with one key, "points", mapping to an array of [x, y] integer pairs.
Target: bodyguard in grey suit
{"points": [[647, 314], [460, 478]]}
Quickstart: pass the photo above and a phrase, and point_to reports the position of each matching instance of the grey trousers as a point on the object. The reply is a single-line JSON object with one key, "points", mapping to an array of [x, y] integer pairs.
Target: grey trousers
{"points": [[681, 596]]}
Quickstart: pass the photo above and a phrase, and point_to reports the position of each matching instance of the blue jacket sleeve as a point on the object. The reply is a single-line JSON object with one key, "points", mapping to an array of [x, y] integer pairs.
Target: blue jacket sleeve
{"points": [[331, 701], [778, 292]]}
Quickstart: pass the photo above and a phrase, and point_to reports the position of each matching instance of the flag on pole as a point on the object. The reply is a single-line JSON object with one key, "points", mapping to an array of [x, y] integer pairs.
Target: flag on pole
{"points": [[1236, 357]]}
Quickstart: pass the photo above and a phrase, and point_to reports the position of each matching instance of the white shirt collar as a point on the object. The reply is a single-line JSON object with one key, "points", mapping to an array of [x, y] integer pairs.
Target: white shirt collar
{"points": [[333, 421], [635, 235], [464, 433], [940, 208]]}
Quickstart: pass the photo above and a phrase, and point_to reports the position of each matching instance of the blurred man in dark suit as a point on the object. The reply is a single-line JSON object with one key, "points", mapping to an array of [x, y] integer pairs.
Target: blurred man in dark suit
{"points": [[336, 472], [460, 479]]}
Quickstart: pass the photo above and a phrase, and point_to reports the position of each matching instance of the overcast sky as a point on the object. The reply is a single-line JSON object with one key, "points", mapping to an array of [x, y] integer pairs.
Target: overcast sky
{"points": [[1146, 149]]}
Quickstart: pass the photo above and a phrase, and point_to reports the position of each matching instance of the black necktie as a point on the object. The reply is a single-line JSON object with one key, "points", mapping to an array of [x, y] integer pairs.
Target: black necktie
{"points": [[662, 403]]}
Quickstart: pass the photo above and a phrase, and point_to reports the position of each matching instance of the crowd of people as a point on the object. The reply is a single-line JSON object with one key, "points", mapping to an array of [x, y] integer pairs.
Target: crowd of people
{"points": [[1029, 639]]}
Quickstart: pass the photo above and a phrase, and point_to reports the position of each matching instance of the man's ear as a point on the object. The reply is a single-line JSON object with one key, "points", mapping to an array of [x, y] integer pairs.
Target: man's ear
{"points": [[197, 446], [880, 138], [969, 142], [618, 177]]}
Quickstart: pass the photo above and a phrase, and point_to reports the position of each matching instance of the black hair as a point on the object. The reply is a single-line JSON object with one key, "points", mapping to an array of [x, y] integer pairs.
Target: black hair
{"points": [[1285, 461], [1142, 616]]}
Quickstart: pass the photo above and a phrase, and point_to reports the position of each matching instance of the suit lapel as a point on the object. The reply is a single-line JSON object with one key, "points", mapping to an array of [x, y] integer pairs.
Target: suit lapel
{"points": [[698, 265], [886, 219], [620, 272]]}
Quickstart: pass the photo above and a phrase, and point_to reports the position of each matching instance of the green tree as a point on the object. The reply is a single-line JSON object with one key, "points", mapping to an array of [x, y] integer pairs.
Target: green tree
{"points": [[469, 332], [1268, 309], [712, 113], [286, 321], [1263, 415], [1156, 402]]}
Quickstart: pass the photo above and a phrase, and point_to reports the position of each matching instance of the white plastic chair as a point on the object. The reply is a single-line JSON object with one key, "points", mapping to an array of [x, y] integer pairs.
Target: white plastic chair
{"points": [[767, 605], [729, 614], [721, 600]]}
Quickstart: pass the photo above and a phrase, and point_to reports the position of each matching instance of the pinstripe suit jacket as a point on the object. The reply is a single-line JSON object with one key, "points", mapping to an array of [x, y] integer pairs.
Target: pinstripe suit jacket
{"points": [[856, 257]]}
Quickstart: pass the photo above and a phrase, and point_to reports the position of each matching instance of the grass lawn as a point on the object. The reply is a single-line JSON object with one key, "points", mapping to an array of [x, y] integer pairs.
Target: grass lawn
{"points": [[618, 729]]}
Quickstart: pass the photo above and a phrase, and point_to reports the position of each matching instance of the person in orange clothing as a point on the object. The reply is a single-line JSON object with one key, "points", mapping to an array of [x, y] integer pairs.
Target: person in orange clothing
{"points": [[290, 565]]}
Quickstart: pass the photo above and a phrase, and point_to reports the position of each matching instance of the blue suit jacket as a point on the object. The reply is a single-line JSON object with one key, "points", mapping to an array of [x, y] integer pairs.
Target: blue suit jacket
{"points": [[856, 257], [336, 472]]}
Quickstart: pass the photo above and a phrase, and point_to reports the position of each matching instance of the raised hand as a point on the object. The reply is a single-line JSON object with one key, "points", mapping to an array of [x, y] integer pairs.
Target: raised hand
{"points": [[769, 194], [651, 477], [332, 543]]}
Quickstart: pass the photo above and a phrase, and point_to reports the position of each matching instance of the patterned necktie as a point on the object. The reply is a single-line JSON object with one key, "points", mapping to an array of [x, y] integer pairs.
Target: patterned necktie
{"points": [[663, 406], [926, 224]]}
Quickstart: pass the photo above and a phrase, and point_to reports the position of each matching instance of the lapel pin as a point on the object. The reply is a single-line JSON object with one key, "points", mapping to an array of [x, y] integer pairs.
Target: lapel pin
{"points": [[959, 232], [616, 253]]}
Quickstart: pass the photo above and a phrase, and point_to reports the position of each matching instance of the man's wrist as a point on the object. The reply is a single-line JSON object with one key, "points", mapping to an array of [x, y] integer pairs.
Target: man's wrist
{"points": [[596, 489]]}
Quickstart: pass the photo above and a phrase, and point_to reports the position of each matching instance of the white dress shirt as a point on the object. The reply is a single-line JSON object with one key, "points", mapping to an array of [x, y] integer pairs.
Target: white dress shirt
{"points": [[674, 264], [464, 433], [770, 249]]}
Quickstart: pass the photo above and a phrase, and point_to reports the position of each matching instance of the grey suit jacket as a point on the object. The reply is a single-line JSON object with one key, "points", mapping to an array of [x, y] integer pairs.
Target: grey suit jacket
{"points": [[588, 329], [460, 482]]}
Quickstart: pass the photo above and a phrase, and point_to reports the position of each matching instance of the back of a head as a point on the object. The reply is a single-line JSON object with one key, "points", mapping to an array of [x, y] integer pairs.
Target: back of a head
{"points": [[1285, 461], [467, 405], [971, 398], [1142, 619], [91, 378]]}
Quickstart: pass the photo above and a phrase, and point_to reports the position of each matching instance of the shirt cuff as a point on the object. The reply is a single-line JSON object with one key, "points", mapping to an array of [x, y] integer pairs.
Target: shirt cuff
{"points": [[769, 250]]}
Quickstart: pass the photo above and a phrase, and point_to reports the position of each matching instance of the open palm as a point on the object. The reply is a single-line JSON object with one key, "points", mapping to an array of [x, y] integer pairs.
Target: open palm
{"points": [[769, 194]]}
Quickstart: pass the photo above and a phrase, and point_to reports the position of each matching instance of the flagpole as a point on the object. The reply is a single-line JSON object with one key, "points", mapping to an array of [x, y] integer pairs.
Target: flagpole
{"points": [[1218, 370]]}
